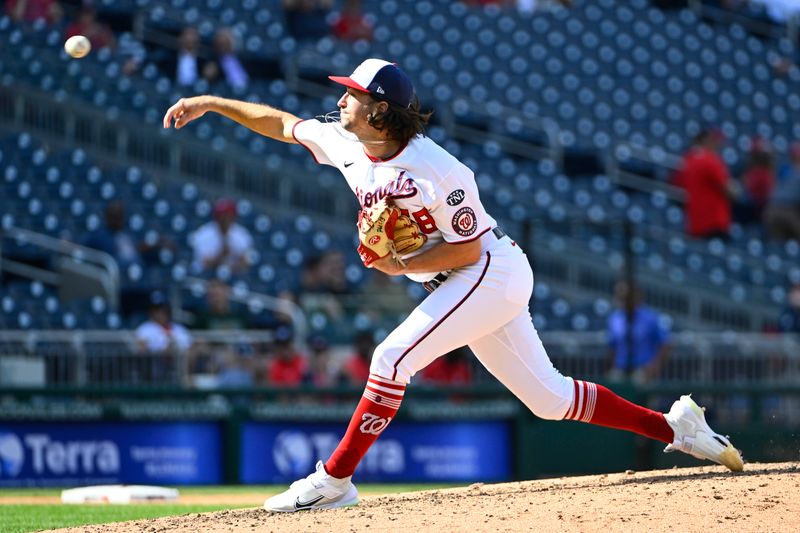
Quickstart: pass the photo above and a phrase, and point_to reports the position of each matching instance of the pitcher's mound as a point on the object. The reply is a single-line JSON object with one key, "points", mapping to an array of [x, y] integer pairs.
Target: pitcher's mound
{"points": [[763, 498]]}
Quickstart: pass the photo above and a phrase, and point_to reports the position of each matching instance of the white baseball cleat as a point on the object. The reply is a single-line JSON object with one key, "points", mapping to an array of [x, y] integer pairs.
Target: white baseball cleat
{"points": [[694, 436], [317, 491]]}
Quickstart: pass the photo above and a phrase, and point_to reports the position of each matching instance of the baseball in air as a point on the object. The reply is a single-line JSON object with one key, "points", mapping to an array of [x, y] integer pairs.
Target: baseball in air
{"points": [[77, 46]]}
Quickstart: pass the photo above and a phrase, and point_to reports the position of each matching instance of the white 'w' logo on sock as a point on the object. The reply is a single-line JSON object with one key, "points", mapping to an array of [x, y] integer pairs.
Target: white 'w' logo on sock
{"points": [[373, 424]]}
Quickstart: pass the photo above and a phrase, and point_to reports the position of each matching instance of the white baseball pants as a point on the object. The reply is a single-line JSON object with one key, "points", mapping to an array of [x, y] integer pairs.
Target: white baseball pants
{"points": [[484, 306]]}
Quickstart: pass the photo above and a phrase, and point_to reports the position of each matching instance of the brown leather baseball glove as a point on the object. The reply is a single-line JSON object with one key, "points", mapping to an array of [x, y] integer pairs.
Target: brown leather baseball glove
{"points": [[383, 230]]}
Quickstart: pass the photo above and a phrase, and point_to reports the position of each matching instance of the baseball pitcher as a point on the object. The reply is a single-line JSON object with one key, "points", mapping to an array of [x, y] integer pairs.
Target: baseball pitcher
{"points": [[422, 217]]}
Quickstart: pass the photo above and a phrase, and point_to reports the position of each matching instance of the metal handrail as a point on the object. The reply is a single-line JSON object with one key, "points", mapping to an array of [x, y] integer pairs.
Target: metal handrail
{"points": [[625, 151], [67, 249], [287, 307], [752, 25], [789, 342], [122, 336]]}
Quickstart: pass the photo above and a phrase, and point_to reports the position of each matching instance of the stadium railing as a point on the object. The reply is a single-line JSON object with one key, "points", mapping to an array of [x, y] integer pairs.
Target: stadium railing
{"points": [[66, 359], [77, 270], [753, 25]]}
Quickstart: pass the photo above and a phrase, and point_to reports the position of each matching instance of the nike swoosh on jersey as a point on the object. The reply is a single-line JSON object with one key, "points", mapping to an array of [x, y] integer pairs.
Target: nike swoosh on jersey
{"points": [[304, 505], [348, 164]]}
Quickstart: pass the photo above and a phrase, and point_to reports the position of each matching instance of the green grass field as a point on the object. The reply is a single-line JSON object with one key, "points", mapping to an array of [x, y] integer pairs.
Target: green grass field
{"points": [[22, 518]]}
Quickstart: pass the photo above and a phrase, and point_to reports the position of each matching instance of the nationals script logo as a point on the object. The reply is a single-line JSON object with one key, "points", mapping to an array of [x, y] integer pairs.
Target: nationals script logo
{"points": [[400, 187]]}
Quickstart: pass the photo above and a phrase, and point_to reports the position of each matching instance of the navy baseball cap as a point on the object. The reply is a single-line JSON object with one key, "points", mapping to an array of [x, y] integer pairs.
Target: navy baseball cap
{"points": [[382, 80]]}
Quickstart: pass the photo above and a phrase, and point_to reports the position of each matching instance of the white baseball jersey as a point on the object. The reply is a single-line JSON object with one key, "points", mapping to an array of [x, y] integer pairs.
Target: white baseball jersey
{"points": [[157, 339], [207, 242], [423, 180], [483, 305]]}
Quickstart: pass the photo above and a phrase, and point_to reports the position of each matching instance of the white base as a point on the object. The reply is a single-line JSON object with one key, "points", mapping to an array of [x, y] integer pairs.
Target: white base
{"points": [[118, 494]]}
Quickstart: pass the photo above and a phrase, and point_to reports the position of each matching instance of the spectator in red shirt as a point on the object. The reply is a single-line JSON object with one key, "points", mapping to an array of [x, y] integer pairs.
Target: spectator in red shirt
{"points": [[86, 24], [352, 25], [450, 369], [759, 182], [708, 187], [31, 10], [356, 367], [287, 366]]}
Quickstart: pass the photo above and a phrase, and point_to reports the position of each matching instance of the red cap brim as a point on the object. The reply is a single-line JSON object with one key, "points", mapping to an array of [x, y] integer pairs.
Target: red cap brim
{"points": [[347, 82]]}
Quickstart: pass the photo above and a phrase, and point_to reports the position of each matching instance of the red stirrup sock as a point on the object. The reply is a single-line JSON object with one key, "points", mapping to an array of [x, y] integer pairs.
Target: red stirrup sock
{"points": [[378, 405], [596, 404]]}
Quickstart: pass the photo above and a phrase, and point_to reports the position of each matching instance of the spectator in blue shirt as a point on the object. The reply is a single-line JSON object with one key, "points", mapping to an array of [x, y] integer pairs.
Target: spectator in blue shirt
{"points": [[641, 354]]}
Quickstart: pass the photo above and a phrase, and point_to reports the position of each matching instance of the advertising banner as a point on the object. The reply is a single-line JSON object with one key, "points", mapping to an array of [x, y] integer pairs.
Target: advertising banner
{"points": [[405, 451], [155, 453]]}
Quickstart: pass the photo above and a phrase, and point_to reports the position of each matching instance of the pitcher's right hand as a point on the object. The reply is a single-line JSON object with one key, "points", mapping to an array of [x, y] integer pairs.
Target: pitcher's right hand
{"points": [[186, 110]]}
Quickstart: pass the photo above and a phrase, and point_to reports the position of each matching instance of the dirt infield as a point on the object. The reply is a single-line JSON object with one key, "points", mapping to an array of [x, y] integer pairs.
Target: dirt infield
{"points": [[764, 498]]}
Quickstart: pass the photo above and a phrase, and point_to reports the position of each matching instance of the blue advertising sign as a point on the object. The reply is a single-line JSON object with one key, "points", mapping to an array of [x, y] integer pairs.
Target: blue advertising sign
{"points": [[406, 451], [58, 454]]}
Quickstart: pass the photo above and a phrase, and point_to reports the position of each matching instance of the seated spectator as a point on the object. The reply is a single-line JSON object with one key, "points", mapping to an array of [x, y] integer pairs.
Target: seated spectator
{"points": [[32, 10], [782, 215], [356, 367], [789, 321], [222, 242], [307, 19], [322, 284], [759, 181], [286, 366], [638, 341], [166, 343], [185, 66], [129, 253], [453, 368], [384, 295], [113, 238], [351, 24], [234, 372], [218, 313], [325, 274], [790, 167], [226, 65], [86, 24], [322, 371], [120, 244], [709, 190]]}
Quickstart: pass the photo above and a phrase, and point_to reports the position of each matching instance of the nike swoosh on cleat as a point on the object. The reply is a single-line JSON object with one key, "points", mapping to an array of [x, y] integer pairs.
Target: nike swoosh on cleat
{"points": [[348, 164], [298, 505]]}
